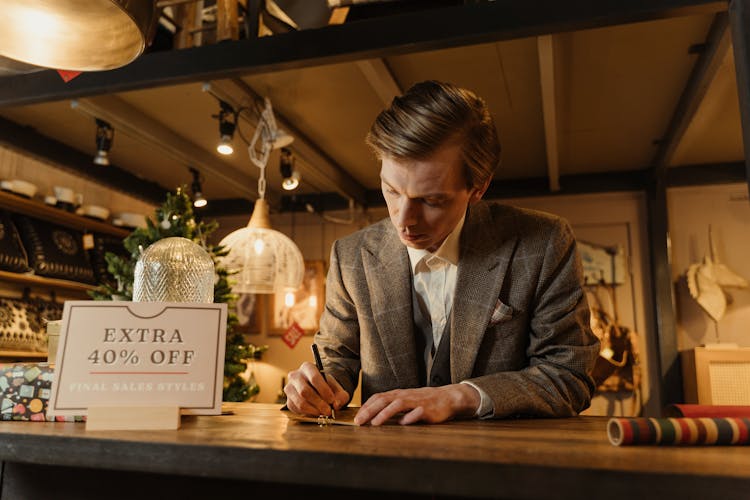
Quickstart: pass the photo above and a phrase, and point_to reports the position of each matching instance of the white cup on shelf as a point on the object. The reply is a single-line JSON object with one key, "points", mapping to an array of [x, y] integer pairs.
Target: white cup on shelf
{"points": [[19, 187], [67, 198]]}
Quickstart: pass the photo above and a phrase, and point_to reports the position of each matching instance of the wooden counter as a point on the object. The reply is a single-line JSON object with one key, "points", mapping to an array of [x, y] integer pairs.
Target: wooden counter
{"points": [[258, 451]]}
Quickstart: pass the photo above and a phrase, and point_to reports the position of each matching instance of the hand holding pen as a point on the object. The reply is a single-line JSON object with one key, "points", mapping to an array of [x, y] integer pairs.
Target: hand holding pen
{"points": [[319, 365], [310, 390]]}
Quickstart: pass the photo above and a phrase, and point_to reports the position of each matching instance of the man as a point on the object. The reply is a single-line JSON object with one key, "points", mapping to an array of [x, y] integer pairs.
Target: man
{"points": [[454, 307]]}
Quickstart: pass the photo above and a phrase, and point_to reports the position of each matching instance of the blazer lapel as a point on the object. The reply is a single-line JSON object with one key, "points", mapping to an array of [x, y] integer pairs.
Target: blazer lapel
{"points": [[482, 267], [388, 274]]}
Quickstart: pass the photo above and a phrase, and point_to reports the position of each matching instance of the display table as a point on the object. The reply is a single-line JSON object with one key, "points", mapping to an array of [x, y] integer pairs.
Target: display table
{"points": [[258, 452]]}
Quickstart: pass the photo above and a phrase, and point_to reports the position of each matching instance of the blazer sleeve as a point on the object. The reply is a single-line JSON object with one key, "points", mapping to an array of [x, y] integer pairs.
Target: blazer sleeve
{"points": [[562, 348], [338, 337]]}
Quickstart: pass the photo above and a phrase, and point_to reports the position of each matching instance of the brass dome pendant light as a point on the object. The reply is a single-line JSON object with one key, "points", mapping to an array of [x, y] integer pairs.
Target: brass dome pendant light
{"points": [[76, 35]]}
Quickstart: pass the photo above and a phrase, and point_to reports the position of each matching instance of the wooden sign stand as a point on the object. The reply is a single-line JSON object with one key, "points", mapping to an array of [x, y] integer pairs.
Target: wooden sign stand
{"points": [[133, 418]]}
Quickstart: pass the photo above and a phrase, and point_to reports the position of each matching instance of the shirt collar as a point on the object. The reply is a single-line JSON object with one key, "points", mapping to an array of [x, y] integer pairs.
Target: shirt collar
{"points": [[448, 250]]}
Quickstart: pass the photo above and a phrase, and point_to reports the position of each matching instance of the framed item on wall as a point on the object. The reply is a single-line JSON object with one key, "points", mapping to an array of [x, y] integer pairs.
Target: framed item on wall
{"points": [[304, 306], [249, 311]]}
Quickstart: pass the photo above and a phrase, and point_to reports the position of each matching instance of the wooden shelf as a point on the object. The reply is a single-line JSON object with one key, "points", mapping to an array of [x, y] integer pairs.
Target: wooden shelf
{"points": [[41, 281], [26, 206], [22, 355]]}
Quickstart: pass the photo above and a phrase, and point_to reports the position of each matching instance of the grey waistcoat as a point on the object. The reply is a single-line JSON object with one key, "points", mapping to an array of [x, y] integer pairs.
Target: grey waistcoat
{"points": [[433, 370]]}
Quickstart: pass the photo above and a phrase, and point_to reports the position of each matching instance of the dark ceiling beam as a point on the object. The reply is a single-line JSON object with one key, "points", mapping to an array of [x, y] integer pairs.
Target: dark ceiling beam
{"points": [[31, 143], [711, 58], [704, 175], [225, 207], [631, 180], [364, 39], [739, 16], [546, 55]]}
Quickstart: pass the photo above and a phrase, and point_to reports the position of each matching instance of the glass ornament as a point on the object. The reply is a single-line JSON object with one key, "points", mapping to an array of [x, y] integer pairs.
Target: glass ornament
{"points": [[174, 270]]}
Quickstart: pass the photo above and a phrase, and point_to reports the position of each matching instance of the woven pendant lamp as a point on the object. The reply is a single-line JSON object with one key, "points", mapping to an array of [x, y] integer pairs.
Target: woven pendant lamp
{"points": [[260, 259]]}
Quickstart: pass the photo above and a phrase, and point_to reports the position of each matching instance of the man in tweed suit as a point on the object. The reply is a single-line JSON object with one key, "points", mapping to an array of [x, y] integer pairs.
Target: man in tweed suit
{"points": [[453, 307]]}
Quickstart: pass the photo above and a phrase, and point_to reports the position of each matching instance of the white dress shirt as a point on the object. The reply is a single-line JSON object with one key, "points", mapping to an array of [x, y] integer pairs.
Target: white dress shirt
{"points": [[435, 283]]}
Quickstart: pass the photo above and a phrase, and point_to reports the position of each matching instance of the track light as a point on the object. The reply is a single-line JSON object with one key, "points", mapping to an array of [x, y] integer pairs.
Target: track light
{"points": [[198, 199], [288, 172], [105, 134], [227, 123]]}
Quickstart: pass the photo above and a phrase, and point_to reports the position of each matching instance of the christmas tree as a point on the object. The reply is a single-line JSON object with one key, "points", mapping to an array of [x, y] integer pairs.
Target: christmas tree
{"points": [[176, 218]]}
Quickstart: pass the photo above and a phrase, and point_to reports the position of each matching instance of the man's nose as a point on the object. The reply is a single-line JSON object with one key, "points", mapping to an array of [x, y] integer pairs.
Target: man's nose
{"points": [[408, 213]]}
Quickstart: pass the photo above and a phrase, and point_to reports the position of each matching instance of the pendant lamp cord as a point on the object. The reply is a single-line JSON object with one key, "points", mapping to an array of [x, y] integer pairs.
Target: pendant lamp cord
{"points": [[262, 182]]}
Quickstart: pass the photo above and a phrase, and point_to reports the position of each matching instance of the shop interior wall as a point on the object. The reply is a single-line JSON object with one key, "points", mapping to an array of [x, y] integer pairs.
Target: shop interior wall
{"points": [[691, 211], [45, 176]]}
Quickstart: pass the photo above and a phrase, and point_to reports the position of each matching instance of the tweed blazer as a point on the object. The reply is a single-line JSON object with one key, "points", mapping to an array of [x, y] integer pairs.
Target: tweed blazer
{"points": [[519, 326]]}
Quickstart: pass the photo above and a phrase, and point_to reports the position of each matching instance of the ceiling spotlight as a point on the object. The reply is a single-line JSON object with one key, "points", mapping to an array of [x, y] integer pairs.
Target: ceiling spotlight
{"points": [[227, 123], [288, 172], [198, 199], [105, 134]]}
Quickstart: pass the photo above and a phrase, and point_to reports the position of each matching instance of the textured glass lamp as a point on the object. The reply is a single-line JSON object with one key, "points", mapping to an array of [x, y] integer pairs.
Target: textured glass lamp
{"points": [[80, 35], [264, 260], [174, 270]]}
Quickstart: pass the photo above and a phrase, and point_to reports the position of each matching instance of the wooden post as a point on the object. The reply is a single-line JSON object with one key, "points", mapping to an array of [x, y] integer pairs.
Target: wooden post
{"points": [[185, 15], [252, 18], [227, 27], [338, 15], [739, 17]]}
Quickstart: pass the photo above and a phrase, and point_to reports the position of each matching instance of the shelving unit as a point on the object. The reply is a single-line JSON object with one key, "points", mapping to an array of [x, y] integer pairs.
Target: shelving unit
{"points": [[15, 356], [40, 281], [19, 204], [34, 208]]}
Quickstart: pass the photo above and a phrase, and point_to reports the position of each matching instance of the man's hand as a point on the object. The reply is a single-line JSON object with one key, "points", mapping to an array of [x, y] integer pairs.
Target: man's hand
{"points": [[426, 404], [307, 393]]}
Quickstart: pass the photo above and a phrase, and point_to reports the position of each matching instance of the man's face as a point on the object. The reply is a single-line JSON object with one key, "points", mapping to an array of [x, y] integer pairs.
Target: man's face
{"points": [[427, 198]]}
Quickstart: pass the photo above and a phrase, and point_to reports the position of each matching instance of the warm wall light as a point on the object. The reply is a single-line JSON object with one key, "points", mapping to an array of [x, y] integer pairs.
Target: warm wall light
{"points": [[198, 198], [227, 123], [289, 174], [75, 35], [105, 135]]}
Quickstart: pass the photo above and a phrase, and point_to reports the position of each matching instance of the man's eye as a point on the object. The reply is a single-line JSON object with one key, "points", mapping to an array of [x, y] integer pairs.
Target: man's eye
{"points": [[430, 202]]}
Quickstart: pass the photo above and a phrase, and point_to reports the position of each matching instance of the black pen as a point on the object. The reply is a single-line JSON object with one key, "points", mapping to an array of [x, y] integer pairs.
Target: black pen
{"points": [[319, 364]]}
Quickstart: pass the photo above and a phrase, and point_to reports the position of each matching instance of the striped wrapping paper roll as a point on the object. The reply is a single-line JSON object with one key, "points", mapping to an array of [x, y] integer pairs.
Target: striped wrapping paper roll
{"points": [[670, 431]]}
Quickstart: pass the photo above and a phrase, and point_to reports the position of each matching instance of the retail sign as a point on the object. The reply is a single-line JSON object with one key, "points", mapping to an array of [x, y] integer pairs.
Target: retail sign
{"points": [[140, 354]]}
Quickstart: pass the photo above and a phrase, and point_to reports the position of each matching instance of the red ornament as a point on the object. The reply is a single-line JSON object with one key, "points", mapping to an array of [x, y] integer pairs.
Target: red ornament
{"points": [[68, 75], [292, 335]]}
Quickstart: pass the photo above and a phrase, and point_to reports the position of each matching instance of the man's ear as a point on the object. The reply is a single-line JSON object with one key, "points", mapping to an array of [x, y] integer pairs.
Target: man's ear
{"points": [[478, 191]]}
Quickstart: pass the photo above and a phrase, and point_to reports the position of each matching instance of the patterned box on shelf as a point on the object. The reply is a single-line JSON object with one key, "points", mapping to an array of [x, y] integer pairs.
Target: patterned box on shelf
{"points": [[25, 391]]}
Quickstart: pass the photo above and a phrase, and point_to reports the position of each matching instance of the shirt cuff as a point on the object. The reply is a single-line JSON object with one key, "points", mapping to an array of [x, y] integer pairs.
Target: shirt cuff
{"points": [[486, 407]]}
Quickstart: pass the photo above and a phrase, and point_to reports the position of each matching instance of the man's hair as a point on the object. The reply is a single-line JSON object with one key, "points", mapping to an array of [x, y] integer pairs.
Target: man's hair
{"points": [[434, 114]]}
